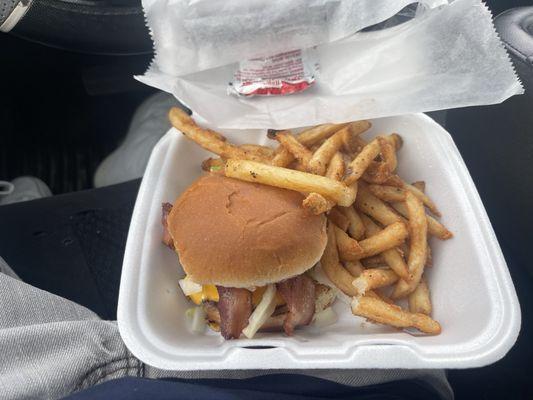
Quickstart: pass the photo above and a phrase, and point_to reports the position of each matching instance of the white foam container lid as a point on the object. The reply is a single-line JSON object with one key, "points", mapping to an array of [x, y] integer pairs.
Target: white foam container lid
{"points": [[472, 292]]}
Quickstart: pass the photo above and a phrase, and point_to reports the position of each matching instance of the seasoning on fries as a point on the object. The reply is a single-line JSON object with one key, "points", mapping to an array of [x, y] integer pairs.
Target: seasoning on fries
{"points": [[392, 256], [379, 311], [253, 171], [339, 219], [358, 166], [322, 156], [331, 265], [336, 167], [417, 248], [373, 279], [356, 228], [293, 146], [419, 300]]}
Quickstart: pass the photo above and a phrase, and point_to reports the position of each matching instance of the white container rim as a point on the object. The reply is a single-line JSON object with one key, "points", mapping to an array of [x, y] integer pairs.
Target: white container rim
{"points": [[498, 336]]}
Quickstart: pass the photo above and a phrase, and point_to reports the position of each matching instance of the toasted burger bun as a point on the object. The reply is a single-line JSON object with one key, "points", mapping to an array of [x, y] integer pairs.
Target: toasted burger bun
{"points": [[239, 234]]}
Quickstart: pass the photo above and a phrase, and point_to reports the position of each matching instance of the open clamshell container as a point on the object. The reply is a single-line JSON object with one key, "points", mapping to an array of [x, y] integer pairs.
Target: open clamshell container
{"points": [[472, 292]]}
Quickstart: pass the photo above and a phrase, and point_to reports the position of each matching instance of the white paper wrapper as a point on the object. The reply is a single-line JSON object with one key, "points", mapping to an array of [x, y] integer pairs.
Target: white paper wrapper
{"points": [[446, 57], [195, 35]]}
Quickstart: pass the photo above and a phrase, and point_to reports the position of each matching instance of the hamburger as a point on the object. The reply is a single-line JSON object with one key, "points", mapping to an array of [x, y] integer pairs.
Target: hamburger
{"points": [[245, 249]]}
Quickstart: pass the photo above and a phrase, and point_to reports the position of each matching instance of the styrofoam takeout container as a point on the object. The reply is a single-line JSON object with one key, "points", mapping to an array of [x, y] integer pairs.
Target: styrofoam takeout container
{"points": [[472, 292]]}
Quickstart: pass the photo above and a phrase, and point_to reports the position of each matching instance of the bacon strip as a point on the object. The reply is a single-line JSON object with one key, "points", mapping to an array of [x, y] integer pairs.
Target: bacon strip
{"points": [[235, 307], [299, 294], [274, 323], [167, 239]]}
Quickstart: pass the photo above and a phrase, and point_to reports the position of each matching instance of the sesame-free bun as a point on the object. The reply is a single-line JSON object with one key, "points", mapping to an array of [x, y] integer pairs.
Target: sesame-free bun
{"points": [[239, 234]]}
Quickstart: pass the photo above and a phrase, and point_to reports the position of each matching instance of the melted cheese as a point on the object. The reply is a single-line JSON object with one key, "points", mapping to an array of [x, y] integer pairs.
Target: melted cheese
{"points": [[210, 293]]}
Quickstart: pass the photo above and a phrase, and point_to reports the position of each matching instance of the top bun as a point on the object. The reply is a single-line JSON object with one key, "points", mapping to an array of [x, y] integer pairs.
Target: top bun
{"points": [[239, 234]]}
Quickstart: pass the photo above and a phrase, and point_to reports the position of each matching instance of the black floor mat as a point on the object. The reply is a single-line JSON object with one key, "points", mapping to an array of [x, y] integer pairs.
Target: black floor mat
{"points": [[50, 127], [71, 245]]}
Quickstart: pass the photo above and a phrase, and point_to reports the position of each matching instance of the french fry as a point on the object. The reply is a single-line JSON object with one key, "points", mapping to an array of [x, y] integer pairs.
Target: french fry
{"points": [[394, 180], [350, 146], [335, 171], [374, 207], [377, 172], [322, 156], [208, 139], [379, 311], [213, 165], [387, 193], [355, 147], [352, 142], [376, 261], [260, 151], [420, 185], [298, 166], [388, 152], [339, 219], [424, 198], [391, 236], [388, 238], [419, 300], [289, 179], [308, 138], [374, 294], [374, 279], [404, 249], [314, 147], [396, 140], [317, 204], [429, 257], [380, 171], [396, 262], [359, 127], [360, 163], [282, 157], [349, 249], [335, 167], [435, 228], [298, 150], [332, 267], [417, 246], [391, 257], [314, 135], [354, 267], [381, 296], [356, 227]]}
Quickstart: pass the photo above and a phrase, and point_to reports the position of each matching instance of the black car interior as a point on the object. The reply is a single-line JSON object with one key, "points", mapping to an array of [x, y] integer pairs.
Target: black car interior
{"points": [[68, 94]]}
